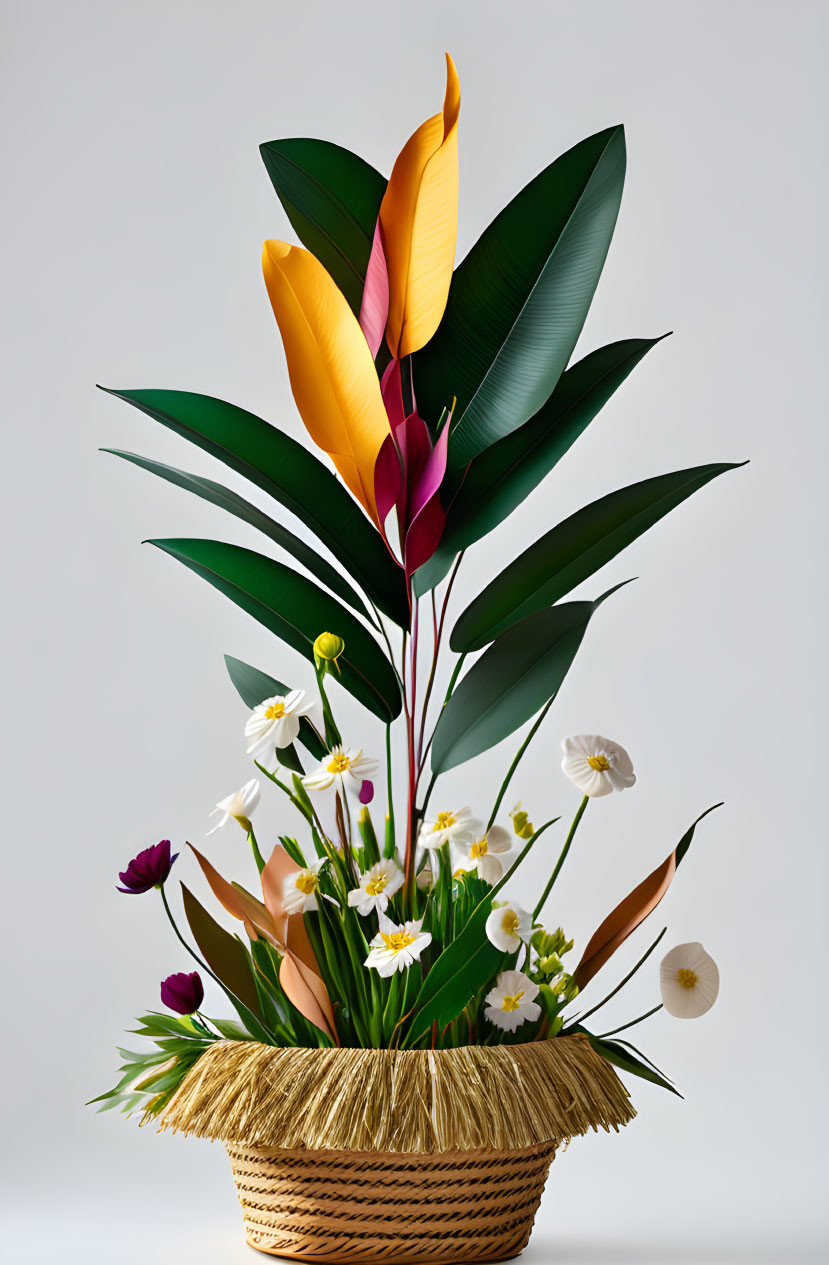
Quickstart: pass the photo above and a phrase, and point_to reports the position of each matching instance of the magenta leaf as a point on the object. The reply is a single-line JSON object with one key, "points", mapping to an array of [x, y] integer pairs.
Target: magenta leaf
{"points": [[374, 309]]}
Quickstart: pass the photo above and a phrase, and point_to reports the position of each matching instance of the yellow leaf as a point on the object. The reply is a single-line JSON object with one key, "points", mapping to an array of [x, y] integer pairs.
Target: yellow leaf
{"points": [[331, 369], [419, 223]]}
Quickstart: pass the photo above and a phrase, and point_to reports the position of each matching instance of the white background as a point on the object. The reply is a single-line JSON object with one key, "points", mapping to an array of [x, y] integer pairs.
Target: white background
{"points": [[136, 208]]}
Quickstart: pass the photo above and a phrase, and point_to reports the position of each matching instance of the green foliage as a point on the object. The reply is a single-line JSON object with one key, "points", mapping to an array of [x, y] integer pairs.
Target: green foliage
{"points": [[253, 687]]}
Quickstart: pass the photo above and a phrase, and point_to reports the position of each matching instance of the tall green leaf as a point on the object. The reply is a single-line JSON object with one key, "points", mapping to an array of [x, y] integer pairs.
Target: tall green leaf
{"points": [[292, 476], [572, 551], [463, 966], [627, 1062], [519, 299], [253, 687], [500, 479], [332, 199], [228, 500], [296, 610], [511, 681]]}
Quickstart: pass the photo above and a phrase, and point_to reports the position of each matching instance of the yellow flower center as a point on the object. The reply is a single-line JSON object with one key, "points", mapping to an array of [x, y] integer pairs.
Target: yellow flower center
{"points": [[397, 940], [338, 763], [512, 1002], [598, 762], [687, 978], [375, 885], [275, 712], [444, 821], [306, 882], [479, 849], [509, 922]]}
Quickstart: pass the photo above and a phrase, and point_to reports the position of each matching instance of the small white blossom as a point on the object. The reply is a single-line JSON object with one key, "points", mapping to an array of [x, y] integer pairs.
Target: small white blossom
{"points": [[239, 805], [274, 723], [299, 890], [395, 948], [689, 980], [597, 765], [457, 827], [376, 888], [484, 854], [512, 1001], [508, 925], [341, 767]]}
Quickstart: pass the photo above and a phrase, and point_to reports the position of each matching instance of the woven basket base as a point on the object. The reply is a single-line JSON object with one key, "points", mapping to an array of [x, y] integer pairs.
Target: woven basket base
{"points": [[366, 1207]]}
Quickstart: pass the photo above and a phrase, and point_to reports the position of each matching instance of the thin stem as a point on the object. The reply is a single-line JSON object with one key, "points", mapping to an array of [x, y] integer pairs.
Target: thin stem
{"points": [[182, 940], [389, 792], [429, 790], [515, 762], [449, 689], [628, 977], [562, 858], [257, 855], [438, 635], [633, 1022]]}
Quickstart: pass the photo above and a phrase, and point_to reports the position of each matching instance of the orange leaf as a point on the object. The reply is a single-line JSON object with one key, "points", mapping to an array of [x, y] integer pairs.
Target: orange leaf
{"points": [[240, 903], [279, 866], [304, 988]]}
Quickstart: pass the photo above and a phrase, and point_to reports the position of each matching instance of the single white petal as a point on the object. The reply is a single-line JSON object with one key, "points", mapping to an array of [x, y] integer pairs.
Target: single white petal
{"points": [[498, 839], [490, 869]]}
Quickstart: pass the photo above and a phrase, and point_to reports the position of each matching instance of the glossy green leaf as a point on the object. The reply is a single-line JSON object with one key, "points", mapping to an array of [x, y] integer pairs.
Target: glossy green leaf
{"points": [[292, 476], [511, 681], [626, 1061], [519, 299], [332, 198], [253, 687], [573, 551], [462, 968], [503, 476], [297, 611], [222, 952]]}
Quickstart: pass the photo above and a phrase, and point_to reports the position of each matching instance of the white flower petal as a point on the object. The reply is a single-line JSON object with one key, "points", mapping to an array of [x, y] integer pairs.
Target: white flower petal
{"points": [[688, 1002]]}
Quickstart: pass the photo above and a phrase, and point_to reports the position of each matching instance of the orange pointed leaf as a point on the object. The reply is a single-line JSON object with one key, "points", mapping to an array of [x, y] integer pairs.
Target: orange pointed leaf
{"points": [[239, 903], [305, 990]]}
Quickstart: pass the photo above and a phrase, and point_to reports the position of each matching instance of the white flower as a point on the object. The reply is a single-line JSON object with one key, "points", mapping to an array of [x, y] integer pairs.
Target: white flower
{"points": [[376, 888], [460, 827], [485, 853], [299, 890], [394, 948], [239, 805], [597, 765], [511, 1002], [508, 925], [274, 723], [341, 765], [689, 980]]}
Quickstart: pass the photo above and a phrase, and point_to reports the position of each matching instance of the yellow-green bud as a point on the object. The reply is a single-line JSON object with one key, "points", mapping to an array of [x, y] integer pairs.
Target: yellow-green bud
{"points": [[522, 825], [328, 646], [550, 965]]}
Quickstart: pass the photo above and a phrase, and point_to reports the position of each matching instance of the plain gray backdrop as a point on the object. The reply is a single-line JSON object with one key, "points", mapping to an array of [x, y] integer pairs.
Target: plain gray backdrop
{"points": [[135, 209]]}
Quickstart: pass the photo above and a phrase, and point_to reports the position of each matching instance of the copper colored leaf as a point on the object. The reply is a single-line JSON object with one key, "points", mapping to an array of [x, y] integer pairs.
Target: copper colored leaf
{"points": [[305, 990], [237, 901]]}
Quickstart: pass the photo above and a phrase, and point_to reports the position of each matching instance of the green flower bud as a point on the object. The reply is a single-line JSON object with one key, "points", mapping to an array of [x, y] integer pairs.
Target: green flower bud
{"points": [[550, 965]]}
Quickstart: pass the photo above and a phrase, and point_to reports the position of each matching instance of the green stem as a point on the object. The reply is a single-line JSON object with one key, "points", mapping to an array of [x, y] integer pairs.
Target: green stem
{"points": [[448, 695], [632, 1023], [257, 855], [562, 858], [182, 940], [515, 762], [627, 978], [390, 840]]}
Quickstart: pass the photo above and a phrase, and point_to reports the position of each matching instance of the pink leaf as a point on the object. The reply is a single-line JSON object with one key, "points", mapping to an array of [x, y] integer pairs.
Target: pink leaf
{"points": [[391, 387], [374, 309], [424, 535], [388, 481], [431, 476]]}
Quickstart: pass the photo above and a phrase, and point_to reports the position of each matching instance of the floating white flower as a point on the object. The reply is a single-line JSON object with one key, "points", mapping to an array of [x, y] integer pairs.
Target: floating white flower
{"points": [[395, 948], [512, 1001], [274, 723], [485, 854], [597, 765], [508, 925], [239, 805], [689, 980], [459, 827], [376, 888], [299, 890], [341, 767]]}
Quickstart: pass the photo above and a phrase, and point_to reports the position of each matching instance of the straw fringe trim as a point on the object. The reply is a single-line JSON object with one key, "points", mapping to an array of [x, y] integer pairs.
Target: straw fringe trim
{"points": [[418, 1101]]}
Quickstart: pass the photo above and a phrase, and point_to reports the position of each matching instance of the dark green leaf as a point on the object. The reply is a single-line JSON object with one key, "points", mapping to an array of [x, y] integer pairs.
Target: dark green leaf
{"points": [[291, 475], [462, 968], [573, 551], [222, 952], [627, 1062], [519, 299], [296, 610], [230, 1031], [503, 476], [516, 676], [254, 687], [332, 199], [242, 509]]}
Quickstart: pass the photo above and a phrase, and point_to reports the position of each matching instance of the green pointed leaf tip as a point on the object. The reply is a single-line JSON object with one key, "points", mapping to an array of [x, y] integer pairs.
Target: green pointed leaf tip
{"points": [[573, 551], [519, 299], [290, 474], [296, 610], [332, 199], [253, 687]]}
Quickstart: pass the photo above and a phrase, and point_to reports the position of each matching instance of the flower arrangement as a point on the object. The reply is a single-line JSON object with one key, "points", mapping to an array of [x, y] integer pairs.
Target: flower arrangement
{"points": [[442, 398]]}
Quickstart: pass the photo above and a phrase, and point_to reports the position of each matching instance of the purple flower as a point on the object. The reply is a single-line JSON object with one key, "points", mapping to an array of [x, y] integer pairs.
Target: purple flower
{"points": [[182, 993], [149, 869], [366, 791]]}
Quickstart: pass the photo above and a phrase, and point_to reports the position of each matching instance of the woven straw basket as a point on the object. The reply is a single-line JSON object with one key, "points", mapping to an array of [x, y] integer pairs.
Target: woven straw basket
{"points": [[400, 1157]]}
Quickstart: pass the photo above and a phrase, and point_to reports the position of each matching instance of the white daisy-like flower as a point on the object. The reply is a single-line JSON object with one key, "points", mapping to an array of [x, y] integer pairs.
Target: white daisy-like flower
{"points": [[274, 723], [376, 888], [458, 827], [396, 947], [512, 1001], [484, 854], [343, 766], [299, 890], [508, 925], [239, 805], [689, 980], [597, 765]]}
